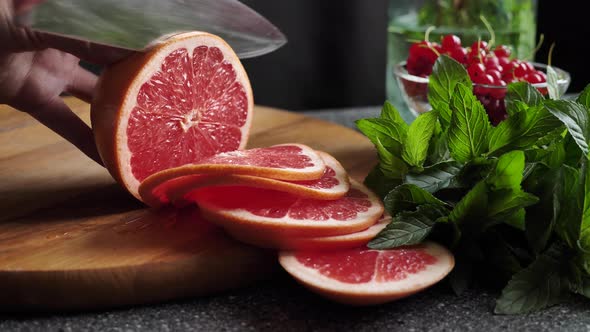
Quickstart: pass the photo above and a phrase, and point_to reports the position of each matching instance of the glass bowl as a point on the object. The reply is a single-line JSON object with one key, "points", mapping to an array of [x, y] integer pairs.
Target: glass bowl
{"points": [[414, 90]]}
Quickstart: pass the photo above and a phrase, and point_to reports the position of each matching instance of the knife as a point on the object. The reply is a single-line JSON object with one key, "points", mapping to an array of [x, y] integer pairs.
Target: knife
{"points": [[133, 24]]}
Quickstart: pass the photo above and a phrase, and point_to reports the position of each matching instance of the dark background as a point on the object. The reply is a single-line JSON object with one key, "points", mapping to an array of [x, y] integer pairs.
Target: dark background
{"points": [[336, 52]]}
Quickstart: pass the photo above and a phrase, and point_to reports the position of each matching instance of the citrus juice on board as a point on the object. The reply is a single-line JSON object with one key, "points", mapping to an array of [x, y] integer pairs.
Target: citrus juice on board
{"points": [[513, 23]]}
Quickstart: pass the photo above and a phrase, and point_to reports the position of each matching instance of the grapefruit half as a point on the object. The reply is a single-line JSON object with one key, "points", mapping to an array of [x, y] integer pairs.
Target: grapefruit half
{"points": [[185, 99], [364, 276]]}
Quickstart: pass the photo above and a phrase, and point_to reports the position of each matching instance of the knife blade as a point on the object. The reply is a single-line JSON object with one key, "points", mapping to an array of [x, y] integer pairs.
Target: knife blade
{"points": [[134, 24]]}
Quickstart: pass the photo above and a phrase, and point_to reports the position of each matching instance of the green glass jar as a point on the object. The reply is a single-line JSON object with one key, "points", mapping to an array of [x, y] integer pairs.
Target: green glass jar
{"points": [[513, 22]]}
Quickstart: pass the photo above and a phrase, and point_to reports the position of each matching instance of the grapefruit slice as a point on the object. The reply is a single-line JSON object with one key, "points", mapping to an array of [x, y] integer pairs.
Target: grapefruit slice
{"points": [[185, 99], [364, 276], [164, 188], [335, 242], [275, 214]]}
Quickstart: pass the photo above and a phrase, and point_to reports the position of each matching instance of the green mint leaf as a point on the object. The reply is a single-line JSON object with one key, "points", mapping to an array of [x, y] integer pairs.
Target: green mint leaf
{"points": [[446, 73], [552, 85], [552, 156], [389, 112], [418, 139], [584, 231], [436, 177], [391, 134], [573, 155], [516, 219], [521, 92], [582, 287], [473, 206], [503, 203], [542, 217], [391, 166], [584, 97], [408, 197], [522, 130], [575, 117], [476, 170], [379, 183], [467, 134], [536, 287], [516, 106], [568, 192], [508, 172], [408, 227], [439, 149]]}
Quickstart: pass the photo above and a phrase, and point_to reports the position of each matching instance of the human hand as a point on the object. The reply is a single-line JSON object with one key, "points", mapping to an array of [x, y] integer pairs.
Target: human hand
{"points": [[35, 68]]}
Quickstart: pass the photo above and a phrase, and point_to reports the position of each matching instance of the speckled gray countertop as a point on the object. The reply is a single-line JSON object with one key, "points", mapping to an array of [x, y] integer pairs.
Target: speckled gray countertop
{"points": [[283, 305]]}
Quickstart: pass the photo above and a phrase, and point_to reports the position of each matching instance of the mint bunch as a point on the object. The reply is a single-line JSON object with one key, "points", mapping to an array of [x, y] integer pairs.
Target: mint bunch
{"points": [[512, 201]]}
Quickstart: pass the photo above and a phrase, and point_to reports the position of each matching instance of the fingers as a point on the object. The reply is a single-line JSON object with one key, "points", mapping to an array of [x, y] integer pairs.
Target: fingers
{"points": [[57, 116], [15, 38], [82, 84]]}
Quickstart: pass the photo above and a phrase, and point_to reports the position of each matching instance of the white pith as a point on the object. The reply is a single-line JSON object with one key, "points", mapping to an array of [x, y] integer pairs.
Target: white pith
{"points": [[188, 41], [414, 282]]}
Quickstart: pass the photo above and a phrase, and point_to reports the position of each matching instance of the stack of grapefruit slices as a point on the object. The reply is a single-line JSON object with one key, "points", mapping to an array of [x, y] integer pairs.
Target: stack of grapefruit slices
{"points": [[171, 125]]}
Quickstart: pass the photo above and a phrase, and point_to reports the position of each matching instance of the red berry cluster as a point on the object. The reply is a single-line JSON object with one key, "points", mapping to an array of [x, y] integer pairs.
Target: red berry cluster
{"points": [[485, 67]]}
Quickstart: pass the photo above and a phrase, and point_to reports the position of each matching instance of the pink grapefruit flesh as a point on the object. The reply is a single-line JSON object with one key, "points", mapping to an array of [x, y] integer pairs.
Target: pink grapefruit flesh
{"points": [[159, 189], [364, 276], [335, 242], [272, 213], [184, 100]]}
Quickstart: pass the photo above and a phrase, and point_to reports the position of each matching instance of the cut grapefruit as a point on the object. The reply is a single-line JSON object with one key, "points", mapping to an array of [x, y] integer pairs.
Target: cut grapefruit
{"points": [[364, 276], [335, 242], [275, 214], [185, 99], [176, 187]]}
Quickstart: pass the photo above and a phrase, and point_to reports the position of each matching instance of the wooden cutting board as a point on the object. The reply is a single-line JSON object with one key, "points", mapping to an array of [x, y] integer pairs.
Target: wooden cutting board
{"points": [[71, 238]]}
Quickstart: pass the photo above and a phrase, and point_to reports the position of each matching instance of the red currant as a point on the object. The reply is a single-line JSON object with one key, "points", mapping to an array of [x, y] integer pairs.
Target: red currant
{"points": [[491, 61], [476, 70], [476, 56], [459, 54], [450, 42], [534, 78], [503, 61], [494, 73], [502, 51], [421, 58], [521, 70], [481, 45]]}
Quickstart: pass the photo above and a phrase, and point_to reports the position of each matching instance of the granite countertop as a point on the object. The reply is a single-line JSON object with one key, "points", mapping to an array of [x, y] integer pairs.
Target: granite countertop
{"points": [[282, 304]]}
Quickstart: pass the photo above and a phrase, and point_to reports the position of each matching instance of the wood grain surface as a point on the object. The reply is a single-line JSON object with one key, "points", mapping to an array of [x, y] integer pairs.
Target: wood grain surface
{"points": [[71, 238]]}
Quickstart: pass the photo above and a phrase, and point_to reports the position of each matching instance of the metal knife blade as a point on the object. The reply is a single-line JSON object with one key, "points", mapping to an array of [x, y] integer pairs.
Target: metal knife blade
{"points": [[133, 24]]}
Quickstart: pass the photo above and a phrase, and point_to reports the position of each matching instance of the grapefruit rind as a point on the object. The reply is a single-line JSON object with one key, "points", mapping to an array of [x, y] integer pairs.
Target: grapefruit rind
{"points": [[244, 222], [335, 242], [117, 92], [373, 292], [161, 188]]}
